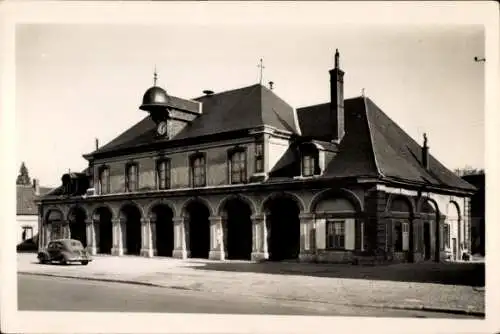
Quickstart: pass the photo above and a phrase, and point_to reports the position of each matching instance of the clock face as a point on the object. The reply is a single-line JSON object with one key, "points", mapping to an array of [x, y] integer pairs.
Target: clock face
{"points": [[162, 128]]}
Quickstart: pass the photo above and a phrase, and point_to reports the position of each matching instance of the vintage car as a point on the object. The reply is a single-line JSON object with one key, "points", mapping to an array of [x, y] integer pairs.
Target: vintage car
{"points": [[64, 251]]}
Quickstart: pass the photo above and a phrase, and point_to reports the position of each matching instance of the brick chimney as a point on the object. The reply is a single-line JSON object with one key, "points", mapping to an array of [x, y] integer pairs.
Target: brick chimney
{"points": [[425, 153], [337, 100], [36, 187]]}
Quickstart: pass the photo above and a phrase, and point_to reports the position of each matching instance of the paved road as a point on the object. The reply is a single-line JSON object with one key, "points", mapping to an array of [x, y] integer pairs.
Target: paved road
{"points": [[37, 293]]}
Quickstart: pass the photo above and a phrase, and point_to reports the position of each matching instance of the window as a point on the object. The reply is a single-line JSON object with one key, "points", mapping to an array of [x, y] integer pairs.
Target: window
{"points": [[237, 166], [398, 242], [401, 237], [198, 177], [446, 236], [132, 175], [163, 174], [308, 165], [27, 233], [335, 234], [259, 157], [104, 183]]}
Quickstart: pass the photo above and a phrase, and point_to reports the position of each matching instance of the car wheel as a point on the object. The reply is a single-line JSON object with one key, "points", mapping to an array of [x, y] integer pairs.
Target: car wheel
{"points": [[64, 262], [85, 263]]}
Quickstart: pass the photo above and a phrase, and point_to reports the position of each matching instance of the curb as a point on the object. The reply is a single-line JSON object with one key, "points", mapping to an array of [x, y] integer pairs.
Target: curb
{"points": [[379, 306]]}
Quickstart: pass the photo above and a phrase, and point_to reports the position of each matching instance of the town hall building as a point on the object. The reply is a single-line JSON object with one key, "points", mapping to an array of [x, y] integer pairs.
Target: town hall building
{"points": [[241, 174]]}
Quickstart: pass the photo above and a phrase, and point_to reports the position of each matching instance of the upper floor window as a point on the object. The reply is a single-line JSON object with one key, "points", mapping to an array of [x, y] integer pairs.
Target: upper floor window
{"points": [[310, 160], [237, 166], [259, 157], [198, 175], [163, 174], [131, 178], [103, 182], [335, 234]]}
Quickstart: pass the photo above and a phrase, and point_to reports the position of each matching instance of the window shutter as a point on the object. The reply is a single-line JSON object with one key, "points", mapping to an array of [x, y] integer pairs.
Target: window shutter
{"points": [[350, 236], [320, 233], [406, 241]]}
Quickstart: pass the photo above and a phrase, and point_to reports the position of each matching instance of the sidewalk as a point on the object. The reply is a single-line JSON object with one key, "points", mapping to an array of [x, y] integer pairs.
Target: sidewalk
{"points": [[379, 286]]}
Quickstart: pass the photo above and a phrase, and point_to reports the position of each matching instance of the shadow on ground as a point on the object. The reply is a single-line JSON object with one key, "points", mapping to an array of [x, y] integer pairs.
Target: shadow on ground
{"points": [[469, 274]]}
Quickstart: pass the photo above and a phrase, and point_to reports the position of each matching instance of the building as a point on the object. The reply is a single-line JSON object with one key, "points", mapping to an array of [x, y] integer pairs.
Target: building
{"points": [[27, 210], [478, 222], [242, 175]]}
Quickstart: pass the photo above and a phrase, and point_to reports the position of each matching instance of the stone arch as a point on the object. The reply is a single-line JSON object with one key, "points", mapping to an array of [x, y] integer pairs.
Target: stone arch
{"points": [[236, 212], [131, 203], [452, 229], [93, 210], [161, 214], [251, 204], [432, 227], [131, 214], [196, 213], [196, 199], [149, 207], [336, 193], [77, 219], [396, 202], [57, 211], [282, 210], [54, 220], [103, 227], [283, 194]]}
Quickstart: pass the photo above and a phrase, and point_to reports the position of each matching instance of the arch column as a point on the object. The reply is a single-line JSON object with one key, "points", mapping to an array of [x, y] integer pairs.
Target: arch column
{"points": [[118, 236], [259, 238], [91, 236], [307, 233], [216, 239], [180, 250], [148, 233]]}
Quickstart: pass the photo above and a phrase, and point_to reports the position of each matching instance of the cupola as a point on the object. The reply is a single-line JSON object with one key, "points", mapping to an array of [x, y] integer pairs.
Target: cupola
{"points": [[156, 102]]}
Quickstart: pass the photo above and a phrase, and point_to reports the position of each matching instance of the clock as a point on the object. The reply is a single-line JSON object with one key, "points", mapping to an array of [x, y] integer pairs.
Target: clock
{"points": [[162, 128]]}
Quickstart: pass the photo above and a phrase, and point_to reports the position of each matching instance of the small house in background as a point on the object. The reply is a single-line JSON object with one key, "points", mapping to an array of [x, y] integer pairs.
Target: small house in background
{"points": [[478, 222], [27, 210]]}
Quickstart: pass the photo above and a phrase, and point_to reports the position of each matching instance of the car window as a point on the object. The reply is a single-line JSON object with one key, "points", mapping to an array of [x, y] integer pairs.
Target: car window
{"points": [[76, 245]]}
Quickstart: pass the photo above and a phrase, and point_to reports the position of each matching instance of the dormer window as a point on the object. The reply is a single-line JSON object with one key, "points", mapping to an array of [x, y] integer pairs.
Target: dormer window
{"points": [[103, 182], [131, 177], [198, 167], [237, 166], [259, 157], [163, 174], [310, 160]]}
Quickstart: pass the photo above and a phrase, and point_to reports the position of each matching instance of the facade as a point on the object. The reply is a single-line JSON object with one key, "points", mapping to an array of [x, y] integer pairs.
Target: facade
{"points": [[478, 223], [27, 212], [242, 175]]}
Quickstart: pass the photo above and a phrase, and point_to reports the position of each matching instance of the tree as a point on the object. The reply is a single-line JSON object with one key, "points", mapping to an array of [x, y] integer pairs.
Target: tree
{"points": [[468, 170], [23, 178]]}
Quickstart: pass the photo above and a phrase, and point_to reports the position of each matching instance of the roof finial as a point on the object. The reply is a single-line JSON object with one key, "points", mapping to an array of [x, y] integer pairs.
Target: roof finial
{"points": [[155, 77], [337, 58], [261, 66], [363, 92], [425, 139]]}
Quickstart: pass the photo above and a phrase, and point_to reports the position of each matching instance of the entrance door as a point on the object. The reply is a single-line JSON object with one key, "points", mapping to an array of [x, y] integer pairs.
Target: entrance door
{"points": [[455, 250]]}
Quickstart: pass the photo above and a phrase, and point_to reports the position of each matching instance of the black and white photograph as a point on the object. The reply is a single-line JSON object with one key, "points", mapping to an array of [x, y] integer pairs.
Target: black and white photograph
{"points": [[259, 166]]}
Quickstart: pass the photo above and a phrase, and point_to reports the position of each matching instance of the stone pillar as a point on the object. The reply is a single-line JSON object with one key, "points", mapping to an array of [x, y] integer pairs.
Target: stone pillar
{"points": [[118, 237], [180, 245], [91, 237], [306, 232], [216, 239], [259, 238], [146, 238]]}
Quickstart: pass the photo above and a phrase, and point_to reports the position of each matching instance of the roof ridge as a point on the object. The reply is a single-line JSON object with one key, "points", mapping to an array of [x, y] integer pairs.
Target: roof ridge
{"points": [[224, 92], [370, 136]]}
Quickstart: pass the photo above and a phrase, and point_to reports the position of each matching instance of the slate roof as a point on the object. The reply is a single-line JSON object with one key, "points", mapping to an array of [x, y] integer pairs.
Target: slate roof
{"points": [[233, 110], [25, 199], [375, 146]]}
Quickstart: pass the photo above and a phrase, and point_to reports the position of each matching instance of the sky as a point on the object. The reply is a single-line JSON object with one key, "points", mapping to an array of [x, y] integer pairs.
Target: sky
{"points": [[78, 82]]}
